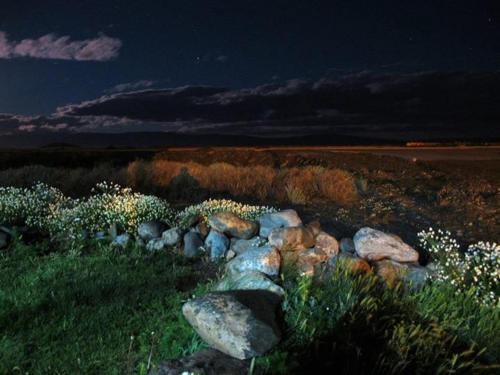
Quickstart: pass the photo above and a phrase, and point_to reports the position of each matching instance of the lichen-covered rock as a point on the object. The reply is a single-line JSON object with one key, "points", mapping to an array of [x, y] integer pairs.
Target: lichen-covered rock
{"points": [[203, 362], [265, 259], [326, 244], [240, 323], [392, 272], [249, 281], [374, 245], [192, 244], [239, 246], [292, 238], [171, 237], [347, 245], [151, 229], [217, 244], [281, 219], [233, 225]]}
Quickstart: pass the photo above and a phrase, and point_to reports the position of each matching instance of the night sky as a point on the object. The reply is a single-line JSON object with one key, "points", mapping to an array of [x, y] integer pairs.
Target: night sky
{"points": [[211, 56]]}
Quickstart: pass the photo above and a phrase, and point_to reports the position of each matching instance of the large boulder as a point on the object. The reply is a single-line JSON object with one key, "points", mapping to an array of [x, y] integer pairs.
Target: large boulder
{"points": [[192, 244], [292, 238], [265, 259], [233, 225], [249, 281], [374, 245], [151, 229], [281, 219], [217, 244], [239, 246], [171, 237], [392, 272], [203, 362], [239, 323]]}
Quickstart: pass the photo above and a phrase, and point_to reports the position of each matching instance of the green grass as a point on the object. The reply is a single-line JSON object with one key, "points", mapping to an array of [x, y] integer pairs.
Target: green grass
{"points": [[76, 313], [67, 314], [353, 324]]}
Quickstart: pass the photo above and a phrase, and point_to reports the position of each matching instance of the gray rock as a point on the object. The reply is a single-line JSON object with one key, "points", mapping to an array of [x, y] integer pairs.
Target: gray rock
{"points": [[392, 272], [217, 244], [239, 323], [249, 281], [265, 259], [374, 245], [281, 219], [347, 245], [155, 244], [100, 235], [292, 238], [121, 241], [192, 244], [308, 259], [203, 362], [151, 229], [4, 240], [239, 246], [171, 237], [233, 225], [326, 244]]}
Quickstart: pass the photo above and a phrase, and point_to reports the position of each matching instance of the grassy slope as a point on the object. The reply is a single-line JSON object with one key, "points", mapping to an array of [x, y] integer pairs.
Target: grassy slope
{"points": [[76, 314], [67, 314]]}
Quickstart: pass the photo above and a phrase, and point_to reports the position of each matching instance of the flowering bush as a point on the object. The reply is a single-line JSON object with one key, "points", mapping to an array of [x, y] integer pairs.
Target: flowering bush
{"points": [[212, 206], [34, 207], [47, 209], [478, 267]]}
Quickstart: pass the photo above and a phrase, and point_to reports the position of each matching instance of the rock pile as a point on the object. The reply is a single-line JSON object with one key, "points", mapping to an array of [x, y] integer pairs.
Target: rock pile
{"points": [[239, 317]]}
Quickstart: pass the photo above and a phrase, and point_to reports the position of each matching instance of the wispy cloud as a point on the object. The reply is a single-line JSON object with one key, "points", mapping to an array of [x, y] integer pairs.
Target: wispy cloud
{"points": [[51, 46], [128, 86]]}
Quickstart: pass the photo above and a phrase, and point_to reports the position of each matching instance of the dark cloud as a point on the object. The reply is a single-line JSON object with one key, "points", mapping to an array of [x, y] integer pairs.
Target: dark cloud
{"points": [[411, 106]]}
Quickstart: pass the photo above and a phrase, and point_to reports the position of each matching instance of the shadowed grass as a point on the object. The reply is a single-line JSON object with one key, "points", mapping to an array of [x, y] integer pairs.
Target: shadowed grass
{"points": [[78, 314]]}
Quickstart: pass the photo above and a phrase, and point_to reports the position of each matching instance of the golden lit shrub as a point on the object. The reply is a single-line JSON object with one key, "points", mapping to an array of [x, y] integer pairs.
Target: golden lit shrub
{"points": [[338, 186]]}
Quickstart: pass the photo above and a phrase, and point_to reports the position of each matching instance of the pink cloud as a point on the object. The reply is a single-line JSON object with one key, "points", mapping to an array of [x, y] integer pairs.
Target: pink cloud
{"points": [[51, 46]]}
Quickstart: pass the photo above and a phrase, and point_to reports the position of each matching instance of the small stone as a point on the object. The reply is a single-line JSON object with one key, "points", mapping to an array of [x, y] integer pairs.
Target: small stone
{"points": [[265, 259], [121, 241], [192, 244], [249, 281], [217, 244], [392, 272], [292, 238], [171, 237], [281, 219], [230, 254], [374, 245], [355, 263], [233, 225], [203, 362], [151, 229], [155, 244], [327, 244], [240, 323], [347, 245], [239, 246]]}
